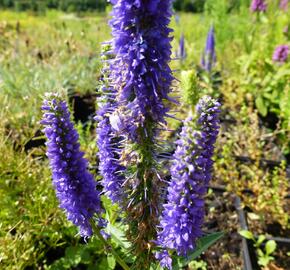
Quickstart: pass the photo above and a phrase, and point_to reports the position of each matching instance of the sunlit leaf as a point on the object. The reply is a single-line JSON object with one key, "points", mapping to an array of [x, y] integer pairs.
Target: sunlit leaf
{"points": [[247, 234], [270, 247]]}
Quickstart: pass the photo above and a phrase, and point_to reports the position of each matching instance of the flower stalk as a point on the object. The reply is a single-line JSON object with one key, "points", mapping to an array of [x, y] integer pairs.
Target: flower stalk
{"points": [[108, 247]]}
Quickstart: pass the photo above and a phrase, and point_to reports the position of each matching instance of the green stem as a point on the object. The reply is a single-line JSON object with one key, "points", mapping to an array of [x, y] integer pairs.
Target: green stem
{"points": [[107, 246]]}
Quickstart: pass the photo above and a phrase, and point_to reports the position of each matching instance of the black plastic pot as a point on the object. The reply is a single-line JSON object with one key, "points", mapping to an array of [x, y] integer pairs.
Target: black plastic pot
{"points": [[36, 141], [271, 120], [249, 252], [243, 225], [83, 105], [250, 258]]}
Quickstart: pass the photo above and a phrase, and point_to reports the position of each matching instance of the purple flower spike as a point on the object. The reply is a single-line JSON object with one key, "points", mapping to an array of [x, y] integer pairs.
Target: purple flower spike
{"points": [[109, 152], [281, 53], [140, 72], [209, 56], [177, 18], [74, 184], [283, 5], [181, 52], [258, 6], [108, 143], [183, 214]]}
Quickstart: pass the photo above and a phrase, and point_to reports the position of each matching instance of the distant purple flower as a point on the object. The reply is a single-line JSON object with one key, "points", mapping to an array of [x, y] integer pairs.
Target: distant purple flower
{"points": [[177, 18], [258, 6], [140, 72], [74, 184], [281, 53], [181, 53], [283, 5], [183, 213], [209, 57]]}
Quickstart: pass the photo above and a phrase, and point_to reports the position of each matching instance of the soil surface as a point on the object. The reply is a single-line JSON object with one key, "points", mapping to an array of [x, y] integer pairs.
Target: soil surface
{"points": [[222, 216]]}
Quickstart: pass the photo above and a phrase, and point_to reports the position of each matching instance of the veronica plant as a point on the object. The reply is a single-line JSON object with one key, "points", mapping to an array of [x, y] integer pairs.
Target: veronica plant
{"points": [[191, 169], [132, 111], [258, 6], [283, 5], [142, 78], [281, 53], [209, 56], [74, 184], [181, 53]]}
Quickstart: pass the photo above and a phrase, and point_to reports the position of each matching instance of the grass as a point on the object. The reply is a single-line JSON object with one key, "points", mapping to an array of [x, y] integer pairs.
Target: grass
{"points": [[38, 54], [49, 53]]}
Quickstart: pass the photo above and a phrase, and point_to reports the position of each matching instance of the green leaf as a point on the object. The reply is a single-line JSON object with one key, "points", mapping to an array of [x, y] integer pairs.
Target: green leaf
{"points": [[260, 240], [260, 253], [261, 106], [203, 244], [86, 256], [246, 234], [61, 264], [263, 261], [270, 247], [118, 236], [111, 262], [103, 264], [73, 255]]}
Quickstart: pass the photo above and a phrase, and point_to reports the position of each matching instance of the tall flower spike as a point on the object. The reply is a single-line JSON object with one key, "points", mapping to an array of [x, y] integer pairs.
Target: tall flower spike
{"points": [[107, 141], [209, 56], [181, 50], [281, 53], [258, 6], [191, 169], [141, 75], [74, 184], [109, 154], [140, 71]]}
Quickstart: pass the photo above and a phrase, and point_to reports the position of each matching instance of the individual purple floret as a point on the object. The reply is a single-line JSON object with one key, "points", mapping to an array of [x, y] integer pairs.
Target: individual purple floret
{"points": [[191, 170], [258, 6], [140, 72], [74, 184], [283, 5], [164, 258], [281, 53], [181, 50], [108, 145], [209, 56]]}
